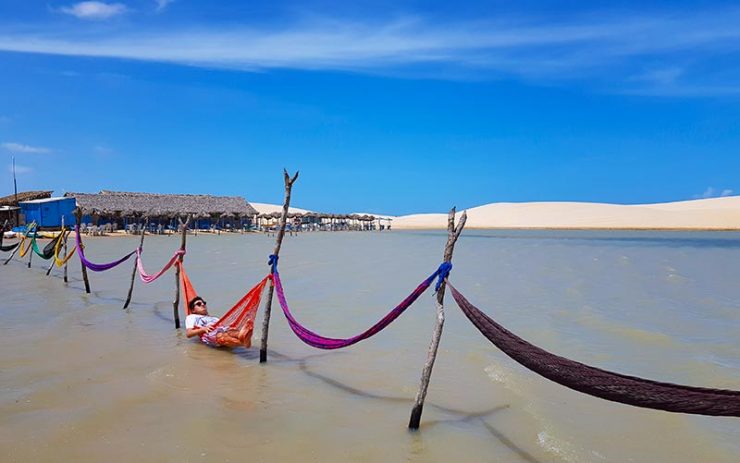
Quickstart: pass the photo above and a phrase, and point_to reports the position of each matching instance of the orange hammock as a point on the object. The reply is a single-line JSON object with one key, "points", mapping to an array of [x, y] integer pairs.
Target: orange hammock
{"points": [[236, 326]]}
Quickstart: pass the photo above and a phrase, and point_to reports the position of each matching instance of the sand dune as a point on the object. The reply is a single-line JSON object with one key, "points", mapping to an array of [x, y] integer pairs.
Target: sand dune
{"points": [[712, 214], [264, 208]]}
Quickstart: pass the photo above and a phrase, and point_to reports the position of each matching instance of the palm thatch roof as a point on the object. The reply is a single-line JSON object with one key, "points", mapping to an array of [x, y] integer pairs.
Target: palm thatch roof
{"points": [[162, 205], [24, 196]]}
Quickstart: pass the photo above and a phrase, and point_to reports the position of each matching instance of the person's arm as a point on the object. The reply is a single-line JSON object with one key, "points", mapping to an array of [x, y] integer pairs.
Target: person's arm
{"points": [[198, 331]]}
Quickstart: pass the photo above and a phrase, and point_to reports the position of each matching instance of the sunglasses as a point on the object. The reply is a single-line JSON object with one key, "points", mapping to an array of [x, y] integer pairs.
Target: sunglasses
{"points": [[199, 303]]}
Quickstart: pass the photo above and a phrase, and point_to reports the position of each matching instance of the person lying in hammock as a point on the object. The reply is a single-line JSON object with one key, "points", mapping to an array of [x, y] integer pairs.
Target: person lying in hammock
{"points": [[199, 323]]}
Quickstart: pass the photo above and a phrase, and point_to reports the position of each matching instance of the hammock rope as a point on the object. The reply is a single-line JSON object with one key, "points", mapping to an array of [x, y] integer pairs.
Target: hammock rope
{"points": [[322, 342], [62, 262], [239, 318], [148, 278], [93, 266], [616, 387]]}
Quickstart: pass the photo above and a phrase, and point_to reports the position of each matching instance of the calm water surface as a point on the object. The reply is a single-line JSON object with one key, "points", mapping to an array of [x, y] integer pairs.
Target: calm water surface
{"points": [[82, 379]]}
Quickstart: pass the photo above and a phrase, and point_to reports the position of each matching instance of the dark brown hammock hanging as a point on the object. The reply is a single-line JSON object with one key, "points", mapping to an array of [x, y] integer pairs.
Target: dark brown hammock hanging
{"points": [[593, 381]]}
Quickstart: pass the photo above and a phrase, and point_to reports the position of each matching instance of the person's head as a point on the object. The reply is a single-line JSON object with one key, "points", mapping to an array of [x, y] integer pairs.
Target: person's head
{"points": [[198, 306]]}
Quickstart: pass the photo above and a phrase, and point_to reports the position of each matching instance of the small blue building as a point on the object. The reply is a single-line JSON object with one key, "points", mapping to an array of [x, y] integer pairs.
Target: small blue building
{"points": [[48, 212]]}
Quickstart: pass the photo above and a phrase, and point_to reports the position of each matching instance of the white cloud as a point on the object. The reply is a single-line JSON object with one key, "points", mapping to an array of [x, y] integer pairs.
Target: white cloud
{"points": [[102, 150], [712, 192], [20, 169], [21, 148], [162, 4], [95, 10], [603, 47]]}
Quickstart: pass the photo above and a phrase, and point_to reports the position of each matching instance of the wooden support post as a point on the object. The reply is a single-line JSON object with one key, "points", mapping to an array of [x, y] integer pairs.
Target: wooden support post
{"points": [[78, 219], [133, 272], [30, 251], [176, 302], [65, 251], [278, 243], [33, 224], [453, 233]]}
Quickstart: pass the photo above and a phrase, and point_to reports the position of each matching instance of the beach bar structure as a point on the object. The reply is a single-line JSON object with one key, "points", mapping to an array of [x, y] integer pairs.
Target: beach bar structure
{"points": [[9, 205], [125, 208], [48, 212]]}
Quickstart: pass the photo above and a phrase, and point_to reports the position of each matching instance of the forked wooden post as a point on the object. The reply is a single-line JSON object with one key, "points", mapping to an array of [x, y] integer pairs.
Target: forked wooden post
{"points": [[78, 218], [176, 302], [17, 248], [276, 252], [133, 272], [453, 233]]}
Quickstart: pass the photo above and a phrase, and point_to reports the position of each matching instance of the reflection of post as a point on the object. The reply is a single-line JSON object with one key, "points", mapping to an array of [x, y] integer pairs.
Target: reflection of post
{"points": [[276, 252], [452, 234], [176, 302], [133, 272], [78, 218]]}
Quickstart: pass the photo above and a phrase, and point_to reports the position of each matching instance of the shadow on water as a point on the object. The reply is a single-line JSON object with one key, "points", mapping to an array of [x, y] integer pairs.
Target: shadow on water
{"points": [[462, 415]]}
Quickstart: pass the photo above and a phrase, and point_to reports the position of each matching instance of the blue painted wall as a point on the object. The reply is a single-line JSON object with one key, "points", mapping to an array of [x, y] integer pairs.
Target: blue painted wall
{"points": [[49, 213]]}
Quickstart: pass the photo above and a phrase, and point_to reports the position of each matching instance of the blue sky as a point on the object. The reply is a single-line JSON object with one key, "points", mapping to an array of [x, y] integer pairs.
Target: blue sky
{"points": [[388, 107]]}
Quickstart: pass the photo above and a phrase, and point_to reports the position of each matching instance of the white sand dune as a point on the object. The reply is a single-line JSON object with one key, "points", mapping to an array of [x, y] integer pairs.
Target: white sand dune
{"points": [[711, 214]]}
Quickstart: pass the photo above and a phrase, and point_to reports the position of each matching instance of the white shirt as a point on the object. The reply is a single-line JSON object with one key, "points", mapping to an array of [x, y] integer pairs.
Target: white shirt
{"points": [[193, 320]]}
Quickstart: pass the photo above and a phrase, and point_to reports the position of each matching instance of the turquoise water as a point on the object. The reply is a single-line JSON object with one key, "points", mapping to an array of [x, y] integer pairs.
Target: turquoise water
{"points": [[83, 379]]}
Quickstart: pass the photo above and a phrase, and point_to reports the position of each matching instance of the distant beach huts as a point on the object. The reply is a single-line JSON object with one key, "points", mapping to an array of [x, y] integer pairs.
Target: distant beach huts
{"points": [[10, 209]]}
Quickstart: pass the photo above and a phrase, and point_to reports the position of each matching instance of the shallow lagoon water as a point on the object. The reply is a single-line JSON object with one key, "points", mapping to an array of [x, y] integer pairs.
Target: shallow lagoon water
{"points": [[82, 379]]}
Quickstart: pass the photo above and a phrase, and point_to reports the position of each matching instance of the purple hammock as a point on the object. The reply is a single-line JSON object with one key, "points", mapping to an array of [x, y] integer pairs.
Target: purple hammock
{"points": [[93, 266], [608, 385], [321, 342]]}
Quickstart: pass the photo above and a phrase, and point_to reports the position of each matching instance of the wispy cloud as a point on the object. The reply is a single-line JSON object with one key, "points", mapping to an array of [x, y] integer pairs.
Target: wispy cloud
{"points": [[162, 4], [21, 148], [601, 47], [712, 192], [20, 169], [94, 10]]}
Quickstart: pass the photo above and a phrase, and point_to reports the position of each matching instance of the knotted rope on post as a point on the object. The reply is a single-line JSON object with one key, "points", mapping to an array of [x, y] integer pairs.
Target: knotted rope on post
{"points": [[93, 266], [608, 385], [322, 342]]}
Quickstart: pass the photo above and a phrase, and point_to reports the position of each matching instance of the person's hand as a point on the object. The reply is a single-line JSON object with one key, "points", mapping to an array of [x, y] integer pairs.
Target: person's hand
{"points": [[208, 328]]}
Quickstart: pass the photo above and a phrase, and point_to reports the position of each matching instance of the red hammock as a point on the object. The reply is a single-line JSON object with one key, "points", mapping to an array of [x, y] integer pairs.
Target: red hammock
{"points": [[240, 316]]}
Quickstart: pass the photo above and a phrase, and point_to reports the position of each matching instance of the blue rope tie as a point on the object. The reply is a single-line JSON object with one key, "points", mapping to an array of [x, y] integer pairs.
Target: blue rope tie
{"points": [[442, 272], [272, 261]]}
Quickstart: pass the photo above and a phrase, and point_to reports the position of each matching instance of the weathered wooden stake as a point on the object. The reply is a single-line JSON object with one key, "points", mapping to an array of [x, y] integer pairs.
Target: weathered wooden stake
{"points": [[176, 302], [30, 250], [33, 224], [278, 242], [452, 234], [78, 218], [65, 250], [133, 272]]}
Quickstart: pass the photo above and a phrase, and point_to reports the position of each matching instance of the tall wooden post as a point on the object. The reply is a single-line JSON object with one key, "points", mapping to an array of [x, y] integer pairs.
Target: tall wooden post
{"points": [[133, 272], [30, 251], [65, 251], [78, 219], [452, 234], [276, 252], [176, 302]]}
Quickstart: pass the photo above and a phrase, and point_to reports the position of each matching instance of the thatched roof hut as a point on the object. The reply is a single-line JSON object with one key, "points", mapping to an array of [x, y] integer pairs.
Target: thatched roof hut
{"points": [[24, 196], [162, 205]]}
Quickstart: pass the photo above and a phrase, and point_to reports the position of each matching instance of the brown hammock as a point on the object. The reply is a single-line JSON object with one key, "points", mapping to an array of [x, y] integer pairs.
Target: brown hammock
{"points": [[593, 381]]}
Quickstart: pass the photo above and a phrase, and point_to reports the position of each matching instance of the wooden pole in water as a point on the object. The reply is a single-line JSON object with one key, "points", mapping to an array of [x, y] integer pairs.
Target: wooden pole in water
{"points": [[30, 251], [133, 272], [276, 252], [65, 251], [19, 246], [176, 302], [53, 259], [78, 219], [453, 233]]}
